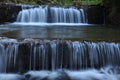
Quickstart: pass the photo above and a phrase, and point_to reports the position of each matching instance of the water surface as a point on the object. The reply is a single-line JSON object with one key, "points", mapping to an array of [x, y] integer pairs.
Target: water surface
{"points": [[60, 32]]}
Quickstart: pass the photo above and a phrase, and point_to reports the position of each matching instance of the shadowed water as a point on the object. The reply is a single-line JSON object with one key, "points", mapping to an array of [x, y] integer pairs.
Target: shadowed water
{"points": [[93, 33]]}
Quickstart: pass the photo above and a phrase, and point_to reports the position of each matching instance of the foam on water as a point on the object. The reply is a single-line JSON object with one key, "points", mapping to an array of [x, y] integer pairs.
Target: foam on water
{"points": [[91, 74], [30, 75], [10, 76], [50, 24], [8, 40]]}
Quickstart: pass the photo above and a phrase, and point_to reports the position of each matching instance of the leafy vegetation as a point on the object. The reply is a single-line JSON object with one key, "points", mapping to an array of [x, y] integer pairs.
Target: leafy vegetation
{"points": [[90, 2], [56, 2], [66, 2]]}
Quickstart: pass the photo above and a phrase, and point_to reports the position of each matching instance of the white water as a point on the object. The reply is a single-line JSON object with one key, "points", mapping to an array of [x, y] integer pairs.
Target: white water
{"points": [[57, 54], [44, 15], [68, 60], [50, 24], [10, 76], [32, 15], [62, 74], [67, 15], [107, 73]]}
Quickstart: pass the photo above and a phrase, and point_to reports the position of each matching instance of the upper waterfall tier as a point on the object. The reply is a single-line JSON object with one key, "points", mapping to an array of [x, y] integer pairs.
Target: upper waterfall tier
{"points": [[45, 14]]}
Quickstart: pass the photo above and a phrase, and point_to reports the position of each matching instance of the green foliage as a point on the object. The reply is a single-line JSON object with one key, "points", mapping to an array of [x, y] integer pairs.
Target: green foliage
{"points": [[28, 2], [57, 2], [48, 2], [66, 2], [90, 2]]}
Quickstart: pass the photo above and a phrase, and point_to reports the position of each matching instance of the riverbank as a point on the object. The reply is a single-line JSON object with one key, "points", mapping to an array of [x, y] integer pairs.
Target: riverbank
{"points": [[9, 12]]}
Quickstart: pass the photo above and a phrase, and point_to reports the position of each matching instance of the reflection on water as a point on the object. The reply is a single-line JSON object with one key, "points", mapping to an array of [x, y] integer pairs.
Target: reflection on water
{"points": [[64, 32]]}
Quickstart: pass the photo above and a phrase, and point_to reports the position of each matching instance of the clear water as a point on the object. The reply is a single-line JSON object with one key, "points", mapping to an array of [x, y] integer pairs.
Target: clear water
{"points": [[75, 32]]}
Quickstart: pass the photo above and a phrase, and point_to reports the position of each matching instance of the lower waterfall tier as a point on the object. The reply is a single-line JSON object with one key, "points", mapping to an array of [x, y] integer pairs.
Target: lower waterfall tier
{"points": [[32, 54]]}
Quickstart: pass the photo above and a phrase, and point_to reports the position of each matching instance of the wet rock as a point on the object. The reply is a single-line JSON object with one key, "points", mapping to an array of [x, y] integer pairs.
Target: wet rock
{"points": [[8, 12], [96, 14], [24, 56]]}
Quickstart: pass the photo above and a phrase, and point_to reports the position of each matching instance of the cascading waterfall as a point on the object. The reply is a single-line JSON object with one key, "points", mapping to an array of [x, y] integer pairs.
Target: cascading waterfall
{"points": [[46, 14], [57, 54], [32, 15]]}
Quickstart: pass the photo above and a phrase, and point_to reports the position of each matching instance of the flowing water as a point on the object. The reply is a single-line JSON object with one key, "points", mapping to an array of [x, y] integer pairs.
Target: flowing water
{"points": [[30, 51], [56, 54], [46, 14], [59, 59]]}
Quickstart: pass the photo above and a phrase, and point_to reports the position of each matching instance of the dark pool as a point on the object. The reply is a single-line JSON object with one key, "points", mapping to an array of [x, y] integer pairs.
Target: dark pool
{"points": [[94, 33]]}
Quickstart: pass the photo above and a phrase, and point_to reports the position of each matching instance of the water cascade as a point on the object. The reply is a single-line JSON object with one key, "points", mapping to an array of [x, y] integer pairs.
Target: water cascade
{"points": [[57, 54], [47, 14]]}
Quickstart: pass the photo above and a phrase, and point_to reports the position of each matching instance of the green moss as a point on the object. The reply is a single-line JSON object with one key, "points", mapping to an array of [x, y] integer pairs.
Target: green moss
{"points": [[27, 2], [90, 2], [81, 2], [58, 2]]}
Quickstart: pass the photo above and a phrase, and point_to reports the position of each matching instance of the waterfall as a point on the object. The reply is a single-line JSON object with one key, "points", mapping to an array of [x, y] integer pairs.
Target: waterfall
{"points": [[57, 54], [32, 15], [46, 14]]}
